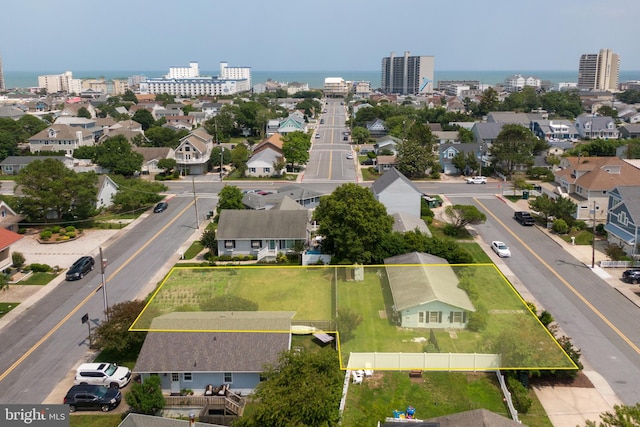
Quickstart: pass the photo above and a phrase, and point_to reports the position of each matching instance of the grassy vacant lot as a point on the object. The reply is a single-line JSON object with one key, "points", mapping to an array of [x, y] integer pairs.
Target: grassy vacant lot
{"points": [[316, 293], [433, 395]]}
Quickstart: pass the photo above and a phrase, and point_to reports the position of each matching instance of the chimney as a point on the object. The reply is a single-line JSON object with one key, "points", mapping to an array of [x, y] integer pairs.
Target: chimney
{"points": [[79, 138]]}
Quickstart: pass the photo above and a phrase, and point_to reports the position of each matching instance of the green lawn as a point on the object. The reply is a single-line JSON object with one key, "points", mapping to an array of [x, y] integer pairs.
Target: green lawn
{"points": [[102, 420], [195, 248], [511, 329], [477, 253], [435, 394], [583, 237], [6, 307], [38, 279]]}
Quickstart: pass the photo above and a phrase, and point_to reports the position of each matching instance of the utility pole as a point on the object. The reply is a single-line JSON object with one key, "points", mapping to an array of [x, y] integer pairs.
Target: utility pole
{"points": [[221, 161], [195, 201], [593, 240], [103, 265]]}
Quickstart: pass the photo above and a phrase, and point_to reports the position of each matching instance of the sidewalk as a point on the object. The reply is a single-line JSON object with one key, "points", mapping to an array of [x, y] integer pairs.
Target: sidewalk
{"points": [[573, 406]]}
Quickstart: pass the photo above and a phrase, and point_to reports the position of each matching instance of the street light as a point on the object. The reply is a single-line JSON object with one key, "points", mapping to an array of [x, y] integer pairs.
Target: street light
{"points": [[593, 240]]}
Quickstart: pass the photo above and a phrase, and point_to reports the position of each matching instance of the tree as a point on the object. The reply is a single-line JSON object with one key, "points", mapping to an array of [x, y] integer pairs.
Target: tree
{"points": [[115, 155], [352, 223], [4, 282], [17, 259], [472, 162], [145, 118], [208, 240], [296, 147], [360, 135], [608, 111], [622, 416], [413, 159], [163, 137], [489, 102], [113, 335], [543, 204], [167, 164], [83, 112], [302, 389], [222, 125], [514, 145], [85, 152], [460, 162], [53, 192], [129, 96], [462, 215], [230, 197], [239, 157], [136, 194], [146, 397], [520, 183], [31, 125]]}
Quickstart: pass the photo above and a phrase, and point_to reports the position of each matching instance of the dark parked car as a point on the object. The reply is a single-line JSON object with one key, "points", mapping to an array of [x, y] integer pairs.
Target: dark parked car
{"points": [[524, 218], [631, 276], [160, 207], [80, 268], [92, 397], [368, 162]]}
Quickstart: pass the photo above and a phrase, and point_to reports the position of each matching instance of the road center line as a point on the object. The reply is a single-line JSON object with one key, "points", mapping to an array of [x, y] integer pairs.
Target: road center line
{"points": [[564, 282]]}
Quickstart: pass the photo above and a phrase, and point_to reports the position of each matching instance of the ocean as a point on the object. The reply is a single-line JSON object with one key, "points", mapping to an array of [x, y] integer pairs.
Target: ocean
{"points": [[315, 79]]}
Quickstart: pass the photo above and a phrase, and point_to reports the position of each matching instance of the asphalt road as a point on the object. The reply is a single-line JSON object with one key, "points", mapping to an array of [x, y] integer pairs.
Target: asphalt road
{"points": [[328, 155], [49, 338], [598, 319]]}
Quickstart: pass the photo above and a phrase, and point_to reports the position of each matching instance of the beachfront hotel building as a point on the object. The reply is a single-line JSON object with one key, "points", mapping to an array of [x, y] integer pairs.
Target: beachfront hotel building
{"points": [[54, 83], [407, 75], [232, 80], [599, 71]]}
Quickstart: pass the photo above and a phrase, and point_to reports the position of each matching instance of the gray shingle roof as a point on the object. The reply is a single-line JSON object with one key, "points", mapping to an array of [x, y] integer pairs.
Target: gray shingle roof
{"points": [[262, 224], [424, 282], [631, 197], [388, 178], [140, 420]]}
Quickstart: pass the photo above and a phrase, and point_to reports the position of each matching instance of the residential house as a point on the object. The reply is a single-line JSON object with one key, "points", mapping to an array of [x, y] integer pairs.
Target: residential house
{"points": [[454, 105], [447, 136], [425, 292], [376, 128], [385, 163], [200, 351], [10, 112], [140, 420], [305, 197], [264, 162], [60, 138], [107, 189], [511, 117], [193, 153], [264, 157], [151, 157], [404, 223], [9, 219], [388, 144], [446, 153], [272, 127], [630, 131], [555, 130], [596, 127], [623, 218], [72, 108], [632, 116], [13, 164], [7, 238], [588, 181], [397, 193], [292, 124], [486, 133], [211, 109], [365, 149], [475, 417], [181, 122], [261, 233]]}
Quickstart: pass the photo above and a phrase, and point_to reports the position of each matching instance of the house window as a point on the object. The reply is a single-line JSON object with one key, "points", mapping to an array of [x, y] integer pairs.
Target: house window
{"points": [[229, 244], [228, 377], [622, 218], [187, 376], [256, 244], [267, 170], [421, 317], [434, 317], [252, 170], [187, 148], [175, 377], [457, 317]]}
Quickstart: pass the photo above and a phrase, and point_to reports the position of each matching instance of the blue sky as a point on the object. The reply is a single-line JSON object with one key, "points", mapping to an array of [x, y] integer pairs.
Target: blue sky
{"points": [[319, 35]]}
